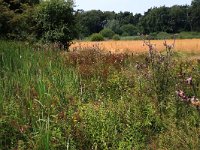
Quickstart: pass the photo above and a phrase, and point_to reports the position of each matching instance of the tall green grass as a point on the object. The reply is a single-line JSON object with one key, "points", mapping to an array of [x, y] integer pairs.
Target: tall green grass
{"points": [[94, 100], [32, 82]]}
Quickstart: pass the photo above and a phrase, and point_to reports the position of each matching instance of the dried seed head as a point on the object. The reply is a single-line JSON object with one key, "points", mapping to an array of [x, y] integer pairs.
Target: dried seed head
{"points": [[195, 101]]}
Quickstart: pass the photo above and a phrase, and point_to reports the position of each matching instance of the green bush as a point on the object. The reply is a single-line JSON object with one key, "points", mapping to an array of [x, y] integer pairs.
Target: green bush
{"points": [[15, 19], [129, 29], [107, 33], [9, 136], [164, 35], [181, 35], [125, 34], [114, 25], [188, 35], [116, 37], [96, 37], [55, 22], [153, 35]]}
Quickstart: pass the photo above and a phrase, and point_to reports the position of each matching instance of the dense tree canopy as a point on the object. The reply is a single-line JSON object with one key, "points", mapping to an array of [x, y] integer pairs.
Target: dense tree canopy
{"points": [[129, 29], [15, 18], [56, 20], [195, 15], [173, 19], [47, 21], [90, 22]]}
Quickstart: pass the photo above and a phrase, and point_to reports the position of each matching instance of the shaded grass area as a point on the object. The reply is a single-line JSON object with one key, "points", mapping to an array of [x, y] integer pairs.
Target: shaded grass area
{"points": [[153, 36], [165, 35], [93, 100]]}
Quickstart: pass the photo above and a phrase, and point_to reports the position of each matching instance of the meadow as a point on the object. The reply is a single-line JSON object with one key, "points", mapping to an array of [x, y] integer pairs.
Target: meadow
{"points": [[137, 46], [90, 98]]}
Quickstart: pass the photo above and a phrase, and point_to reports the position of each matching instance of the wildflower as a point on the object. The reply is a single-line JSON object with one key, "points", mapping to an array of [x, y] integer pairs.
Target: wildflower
{"points": [[195, 101], [182, 95], [189, 81]]}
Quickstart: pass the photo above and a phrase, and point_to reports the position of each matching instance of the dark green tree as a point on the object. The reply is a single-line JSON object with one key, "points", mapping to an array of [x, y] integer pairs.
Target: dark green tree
{"points": [[136, 19], [129, 30], [156, 20], [109, 15], [195, 15], [125, 18], [107, 33], [5, 16], [31, 2], [90, 22], [179, 20], [14, 19], [114, 25], [55, 22]]}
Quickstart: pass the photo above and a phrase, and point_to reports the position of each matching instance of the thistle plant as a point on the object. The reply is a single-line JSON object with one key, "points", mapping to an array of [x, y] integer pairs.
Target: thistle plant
{"points": [[169, 47], [152, 47], [161, 73]]}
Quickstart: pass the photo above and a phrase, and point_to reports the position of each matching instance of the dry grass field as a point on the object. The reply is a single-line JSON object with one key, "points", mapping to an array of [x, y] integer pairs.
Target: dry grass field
{"points": [[186, 45]]}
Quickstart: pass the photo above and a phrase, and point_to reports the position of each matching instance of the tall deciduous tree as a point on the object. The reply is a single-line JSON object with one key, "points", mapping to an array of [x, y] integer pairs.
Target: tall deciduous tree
{"points": [[179, 20], [14, 15], [156, 20], [195, 15], [129, 30], [90, 21], [55, 22], [114, 25]]}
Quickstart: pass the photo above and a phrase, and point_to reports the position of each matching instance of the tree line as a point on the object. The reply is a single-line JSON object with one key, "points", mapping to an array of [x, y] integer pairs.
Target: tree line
{"points": [[173, 19], [58, 21]]}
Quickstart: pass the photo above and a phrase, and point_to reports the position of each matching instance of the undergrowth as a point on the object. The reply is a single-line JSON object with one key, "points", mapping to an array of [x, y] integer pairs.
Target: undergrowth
{"points": [[90, 99]]}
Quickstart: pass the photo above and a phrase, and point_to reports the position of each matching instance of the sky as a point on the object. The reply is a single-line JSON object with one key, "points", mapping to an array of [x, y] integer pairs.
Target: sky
{"points": [[134, 6]]}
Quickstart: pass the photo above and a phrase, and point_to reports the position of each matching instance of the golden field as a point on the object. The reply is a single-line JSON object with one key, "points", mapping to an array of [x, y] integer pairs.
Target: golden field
{"points": [[187, 45]]}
